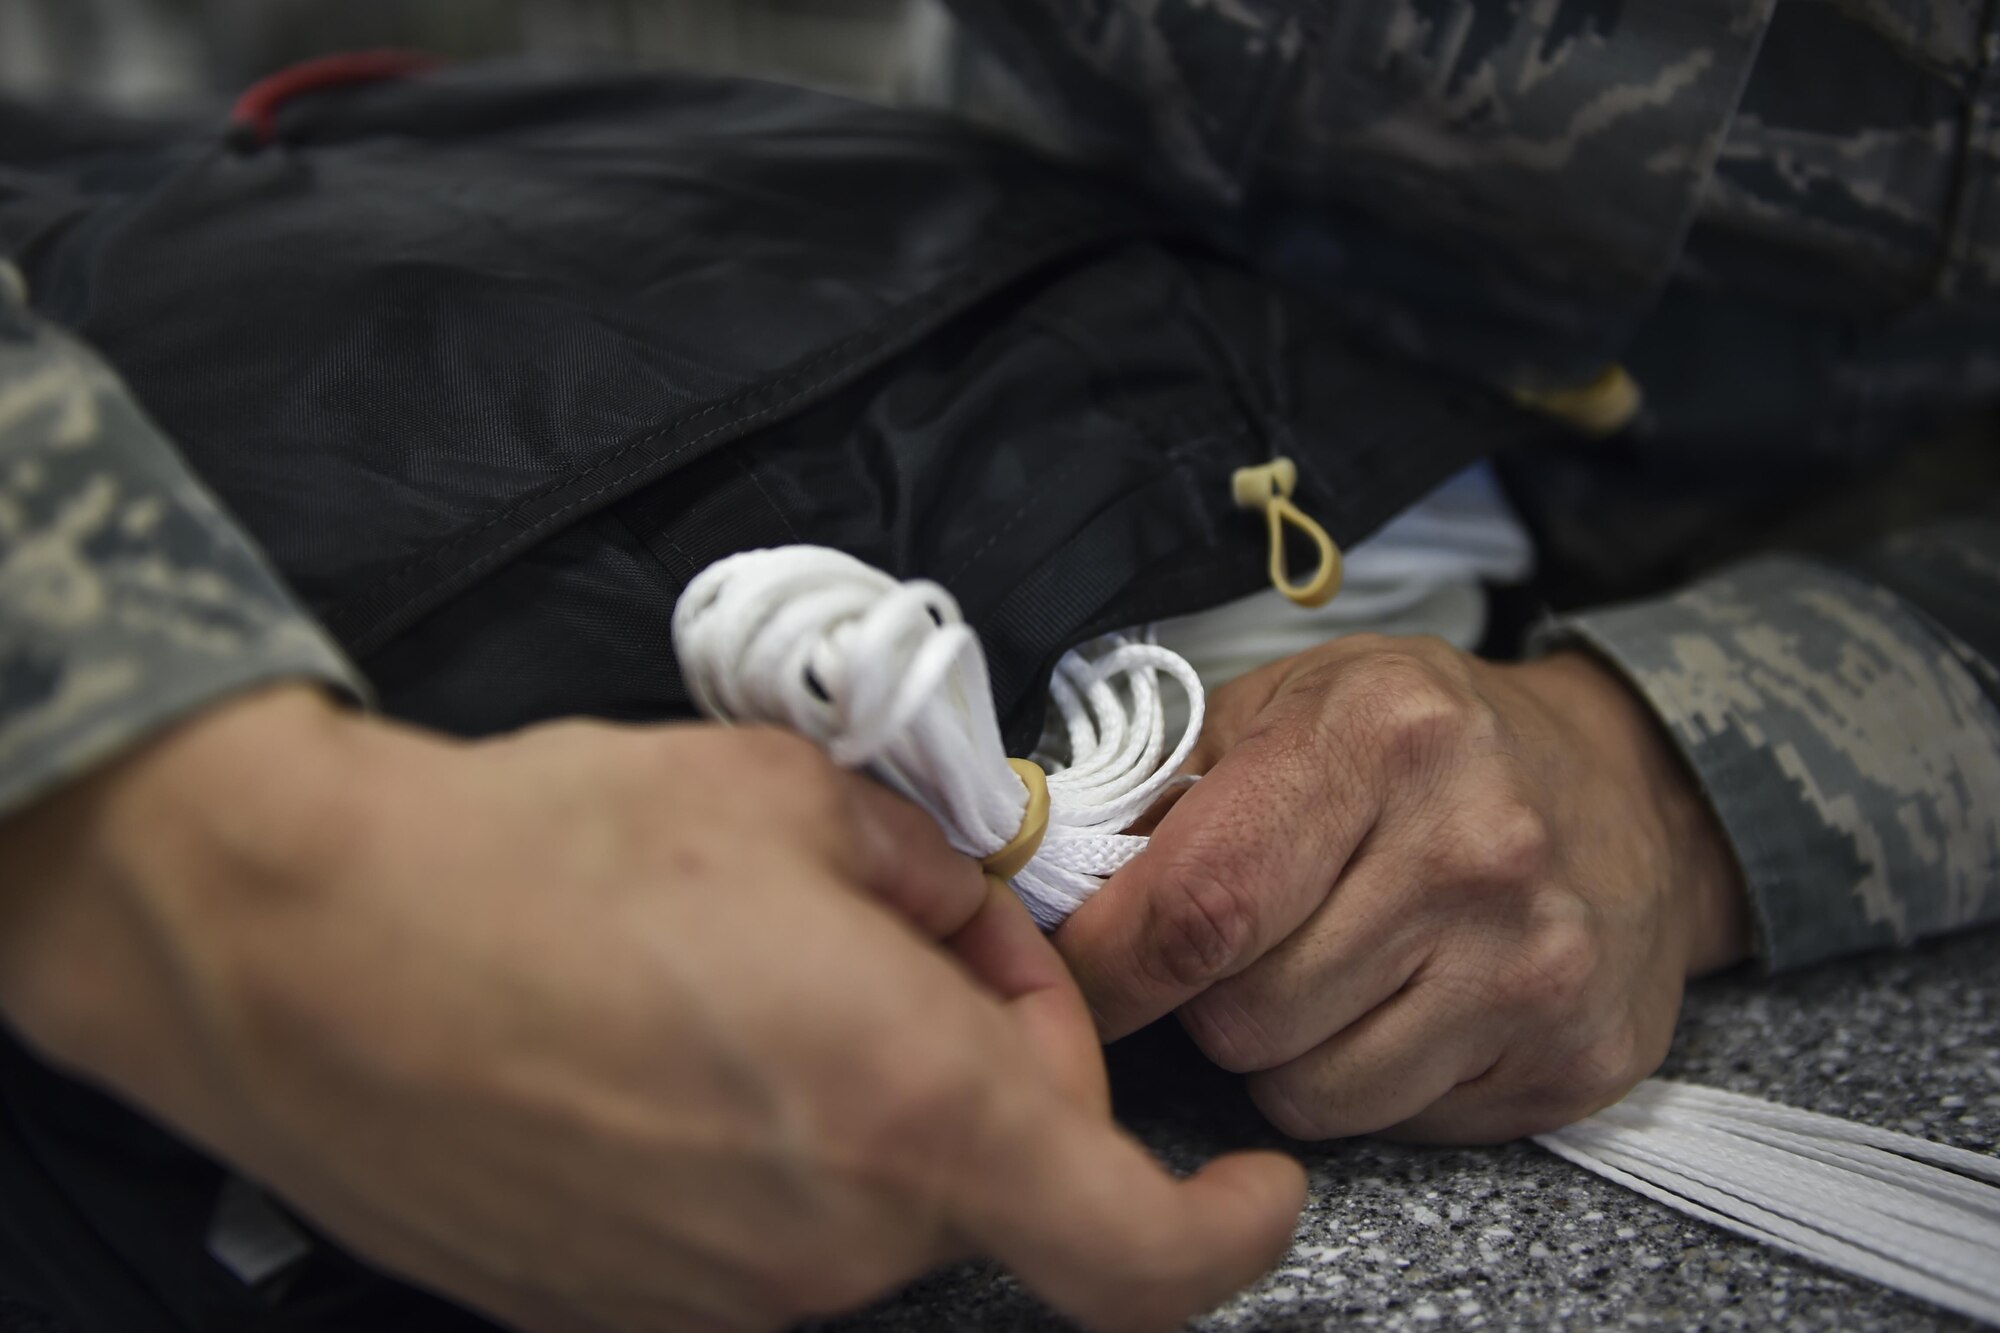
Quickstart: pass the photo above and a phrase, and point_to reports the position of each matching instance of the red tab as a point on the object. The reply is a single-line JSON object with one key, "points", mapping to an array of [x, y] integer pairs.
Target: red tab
{"points": [[256, 111]]}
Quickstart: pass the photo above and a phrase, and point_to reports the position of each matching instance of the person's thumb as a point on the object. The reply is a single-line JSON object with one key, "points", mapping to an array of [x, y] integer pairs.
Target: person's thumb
{"points": [[1084, 1216]]}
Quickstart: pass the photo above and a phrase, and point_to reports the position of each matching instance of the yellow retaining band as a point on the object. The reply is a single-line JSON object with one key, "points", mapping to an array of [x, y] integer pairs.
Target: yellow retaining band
{"points": [[1602, 407], [1270, 488], [1021, 848]]}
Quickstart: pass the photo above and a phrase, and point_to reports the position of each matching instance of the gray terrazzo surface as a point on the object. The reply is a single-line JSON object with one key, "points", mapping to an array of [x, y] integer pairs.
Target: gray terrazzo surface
{"points": [[1511, 1238]]}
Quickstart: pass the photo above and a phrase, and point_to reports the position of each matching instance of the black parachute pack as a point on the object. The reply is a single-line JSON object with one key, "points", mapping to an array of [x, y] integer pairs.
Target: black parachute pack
{"points": [[492, 361]]}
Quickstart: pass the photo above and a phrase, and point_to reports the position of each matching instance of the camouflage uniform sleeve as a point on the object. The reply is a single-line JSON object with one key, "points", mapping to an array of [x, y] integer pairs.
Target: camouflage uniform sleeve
{"points": [[1499, 186], [1845, 723], [128, 599]]}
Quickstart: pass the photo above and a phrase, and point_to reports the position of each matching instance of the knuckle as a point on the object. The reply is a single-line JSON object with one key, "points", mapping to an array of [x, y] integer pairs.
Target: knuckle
{"points": [[1404, 682], [1203, 928], [1505, 843], [1417, 716], [1228, 1031], [1291, 1106], [1557, 970], [1597, 1073], [1608, 1061], [1517, 843], [1498, 845]]}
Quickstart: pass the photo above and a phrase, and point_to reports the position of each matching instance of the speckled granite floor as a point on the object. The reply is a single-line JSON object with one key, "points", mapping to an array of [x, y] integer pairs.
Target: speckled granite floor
{"points": [[1512, 1238]]}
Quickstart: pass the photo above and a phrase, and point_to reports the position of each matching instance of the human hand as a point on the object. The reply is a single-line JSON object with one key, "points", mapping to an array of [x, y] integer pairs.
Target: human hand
{"points": [[601, 1028], [1422, 893]]}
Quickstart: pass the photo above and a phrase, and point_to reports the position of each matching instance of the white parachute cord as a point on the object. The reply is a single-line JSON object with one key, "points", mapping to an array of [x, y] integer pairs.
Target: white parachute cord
{"points": [[1915, 1216], [887, 676]]}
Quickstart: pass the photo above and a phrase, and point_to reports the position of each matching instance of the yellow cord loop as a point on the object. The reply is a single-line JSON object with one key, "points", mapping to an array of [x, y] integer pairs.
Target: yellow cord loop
{"points": [[1010, 860], [1270, 488], [1598, 409]]}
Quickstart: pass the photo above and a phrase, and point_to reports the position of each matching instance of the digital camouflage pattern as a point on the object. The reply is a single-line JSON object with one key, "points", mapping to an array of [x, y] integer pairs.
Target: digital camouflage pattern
{"points": [[1507, 185], [1461, 171], [1859, 172], [127, 598], [1849, 743], [1812, 188]]}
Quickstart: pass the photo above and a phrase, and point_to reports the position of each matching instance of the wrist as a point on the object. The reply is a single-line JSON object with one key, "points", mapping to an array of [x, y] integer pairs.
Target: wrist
{"points": [[1624, 741], [120, 888]]}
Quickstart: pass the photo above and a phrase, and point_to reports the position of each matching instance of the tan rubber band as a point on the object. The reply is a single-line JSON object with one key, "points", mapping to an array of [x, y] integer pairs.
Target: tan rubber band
{"points": [[1600, 408], [1021, 848], [1270, 488]]}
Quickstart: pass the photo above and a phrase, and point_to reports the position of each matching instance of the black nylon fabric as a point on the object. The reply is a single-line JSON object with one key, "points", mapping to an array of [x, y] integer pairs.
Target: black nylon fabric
{"points": [[493, 361]]}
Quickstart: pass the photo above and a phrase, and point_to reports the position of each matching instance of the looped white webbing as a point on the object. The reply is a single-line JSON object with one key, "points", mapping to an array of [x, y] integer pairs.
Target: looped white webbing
{"points": [[889, 677]]}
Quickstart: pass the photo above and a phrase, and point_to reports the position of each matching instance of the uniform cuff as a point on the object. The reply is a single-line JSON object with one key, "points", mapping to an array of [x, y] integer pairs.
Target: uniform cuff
{"points": [[128, 599], [1851, 756], [54, 745]]}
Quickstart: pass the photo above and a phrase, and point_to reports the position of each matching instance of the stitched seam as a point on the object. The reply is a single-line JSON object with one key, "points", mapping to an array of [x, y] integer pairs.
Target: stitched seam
{"points": [[649, 542], [901, 315], [804, 368], [757, 484], [1048, 483], [482, 563], [900, 318]]}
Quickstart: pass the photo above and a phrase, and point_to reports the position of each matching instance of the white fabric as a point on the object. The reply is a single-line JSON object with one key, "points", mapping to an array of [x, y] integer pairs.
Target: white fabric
{"points": [[888, 677], [1917, 1216]]}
